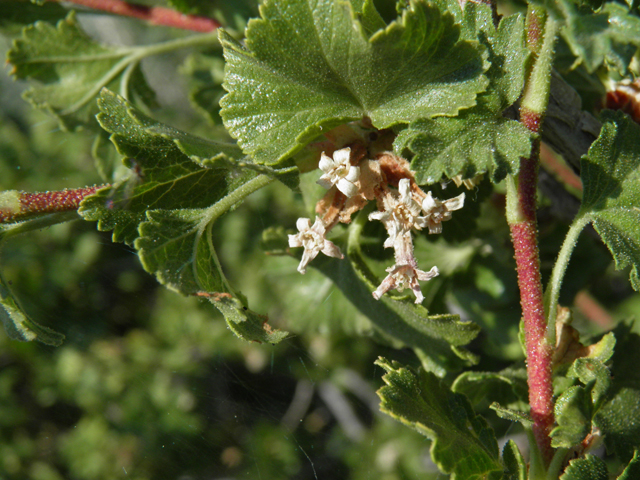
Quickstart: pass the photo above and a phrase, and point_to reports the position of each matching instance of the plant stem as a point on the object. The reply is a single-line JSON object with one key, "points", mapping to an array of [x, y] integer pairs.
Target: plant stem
{"points": [[552, 293], [154, 15], [521, 216], [18, 206]]}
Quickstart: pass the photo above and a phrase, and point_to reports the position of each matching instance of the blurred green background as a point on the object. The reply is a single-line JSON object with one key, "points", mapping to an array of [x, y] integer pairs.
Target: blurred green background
{"points": [[152, 385]]}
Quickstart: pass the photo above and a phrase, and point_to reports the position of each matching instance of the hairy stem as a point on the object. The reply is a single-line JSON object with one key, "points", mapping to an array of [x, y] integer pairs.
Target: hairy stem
{"points": [[521, 216], [154, 15], [17, 206]]}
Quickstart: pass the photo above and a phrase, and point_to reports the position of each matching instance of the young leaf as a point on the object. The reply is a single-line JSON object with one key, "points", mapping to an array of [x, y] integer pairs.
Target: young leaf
{"points": [[307, 67], [588, 468], [619, 416], [463, 443], [478, 140], [514, 463], [508, 387], [611, 177], [19, 326], [181, 185], [573, 411], [70, 69]]}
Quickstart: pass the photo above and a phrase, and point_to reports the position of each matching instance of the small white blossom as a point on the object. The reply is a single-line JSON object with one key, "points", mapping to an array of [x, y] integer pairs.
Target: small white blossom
{"points": [[405, 276], [437, 211], [339, 171], [401, 213], [313, 240]]}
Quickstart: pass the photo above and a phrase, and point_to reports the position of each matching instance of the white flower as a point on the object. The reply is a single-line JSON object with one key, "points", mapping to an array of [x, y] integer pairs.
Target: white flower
{"points": [[339, 171], [405, 276], [313, 241], [437, 211], [401, 213]]}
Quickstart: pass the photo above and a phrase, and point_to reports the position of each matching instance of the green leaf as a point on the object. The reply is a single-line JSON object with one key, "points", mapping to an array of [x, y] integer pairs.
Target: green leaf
{"points": [[507, 387], [588, 468], [511, 414], [514, 463], [573, 411], [205, 72], [619, 416], [162, 177], [632, 471], [609, 35], [475, 142], [180, 185], [308, 67], [434, 335], [576, 407], [479, 140], [611, 177], [19, 326], [18, 14], [69, 69], [463, 443]]}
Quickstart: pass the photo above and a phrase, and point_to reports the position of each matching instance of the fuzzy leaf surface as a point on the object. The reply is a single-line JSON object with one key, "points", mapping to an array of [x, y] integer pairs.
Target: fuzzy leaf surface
{"points": [[180, 185], [619, 416], [480, 139], [70, 69], [588, 468], [308, 66], [611, 179], [463, 443], [514, 463]]}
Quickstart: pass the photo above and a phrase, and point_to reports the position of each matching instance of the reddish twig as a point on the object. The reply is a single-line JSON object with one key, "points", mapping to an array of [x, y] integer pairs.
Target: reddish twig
{"points": [[524, 234], [16, 206], [154, 15]]}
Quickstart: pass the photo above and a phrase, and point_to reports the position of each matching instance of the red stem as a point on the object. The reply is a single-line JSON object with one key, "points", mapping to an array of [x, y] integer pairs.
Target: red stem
{"points": [[153, 15], [30, 205]]}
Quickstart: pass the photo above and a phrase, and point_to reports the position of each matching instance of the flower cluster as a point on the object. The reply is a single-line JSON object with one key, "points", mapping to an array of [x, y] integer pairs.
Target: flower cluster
{"points": [[352, 181]]}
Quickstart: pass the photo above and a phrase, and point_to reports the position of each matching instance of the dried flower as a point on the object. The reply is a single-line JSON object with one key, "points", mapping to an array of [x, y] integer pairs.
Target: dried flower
{"points": [[338, 171], [313, 240], [437, 211], [405, 276], [401, 213]]}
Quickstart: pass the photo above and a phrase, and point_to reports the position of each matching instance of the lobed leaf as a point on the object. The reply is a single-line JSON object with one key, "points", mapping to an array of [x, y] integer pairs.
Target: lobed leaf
{"points": [[611, 177], [308, 66], [619, 416], [480, 139], [609, 35], [588, 468], [180, 185], [70, 69], [463, 443]]}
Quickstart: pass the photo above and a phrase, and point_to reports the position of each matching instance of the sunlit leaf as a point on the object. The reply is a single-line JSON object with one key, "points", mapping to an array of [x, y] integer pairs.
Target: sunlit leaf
{"points": [[180, 186], [611, 178], [306, 67], [69, 69], [463, 444]]}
